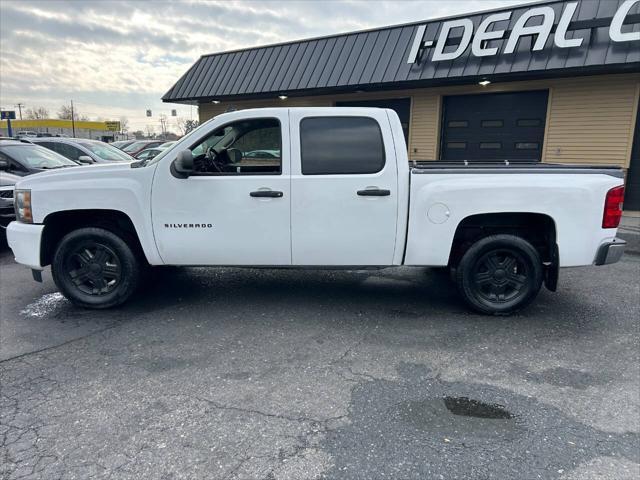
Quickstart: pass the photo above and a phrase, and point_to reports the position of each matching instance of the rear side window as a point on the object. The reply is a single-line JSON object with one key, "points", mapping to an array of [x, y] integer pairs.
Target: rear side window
{"points": [[341, 145]]}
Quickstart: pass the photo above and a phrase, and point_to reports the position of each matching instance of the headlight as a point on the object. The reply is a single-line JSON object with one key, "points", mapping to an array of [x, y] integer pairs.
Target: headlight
{"points": [[23, 206]]}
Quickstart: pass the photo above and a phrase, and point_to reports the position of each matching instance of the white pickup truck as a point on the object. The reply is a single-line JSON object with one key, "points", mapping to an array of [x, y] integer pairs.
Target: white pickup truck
{"points": [[315, 187]]}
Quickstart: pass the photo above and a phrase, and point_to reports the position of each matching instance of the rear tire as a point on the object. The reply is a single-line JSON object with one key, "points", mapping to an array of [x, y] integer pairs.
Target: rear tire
{"points": [[95, 268], [500, 274]]}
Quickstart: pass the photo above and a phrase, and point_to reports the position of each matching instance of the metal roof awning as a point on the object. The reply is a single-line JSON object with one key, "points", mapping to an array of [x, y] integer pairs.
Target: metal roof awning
{"points": [[557, 38]]}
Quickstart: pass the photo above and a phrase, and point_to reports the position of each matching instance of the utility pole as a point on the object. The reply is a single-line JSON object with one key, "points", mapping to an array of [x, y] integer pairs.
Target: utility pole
{"points": [[73, 121], [20, 105]]}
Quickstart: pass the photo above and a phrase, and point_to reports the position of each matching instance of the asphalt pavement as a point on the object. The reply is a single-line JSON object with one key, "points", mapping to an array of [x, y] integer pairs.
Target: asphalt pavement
{"points": [[294, 374]]}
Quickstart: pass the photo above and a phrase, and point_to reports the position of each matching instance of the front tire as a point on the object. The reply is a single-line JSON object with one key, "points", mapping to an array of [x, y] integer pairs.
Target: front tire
{"points": [[500, 274], [95, 268]]}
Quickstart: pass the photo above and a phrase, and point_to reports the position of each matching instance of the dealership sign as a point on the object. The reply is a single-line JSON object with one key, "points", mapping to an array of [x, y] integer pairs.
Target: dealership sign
{"points": [[482, 36]]}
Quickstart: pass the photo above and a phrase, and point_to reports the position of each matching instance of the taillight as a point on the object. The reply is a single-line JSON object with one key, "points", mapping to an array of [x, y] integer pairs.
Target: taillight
{"points": [[613, 207]]}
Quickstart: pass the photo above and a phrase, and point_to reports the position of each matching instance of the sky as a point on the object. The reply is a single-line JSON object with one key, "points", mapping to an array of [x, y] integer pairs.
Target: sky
{"points": [[117, 58]]}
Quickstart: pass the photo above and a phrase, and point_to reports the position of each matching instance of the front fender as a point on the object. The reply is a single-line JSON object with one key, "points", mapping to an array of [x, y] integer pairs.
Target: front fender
{"points": [[111, 187]]}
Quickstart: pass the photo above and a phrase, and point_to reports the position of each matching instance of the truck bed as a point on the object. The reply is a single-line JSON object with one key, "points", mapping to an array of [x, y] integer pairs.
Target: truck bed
{"points": [[430, 166]]}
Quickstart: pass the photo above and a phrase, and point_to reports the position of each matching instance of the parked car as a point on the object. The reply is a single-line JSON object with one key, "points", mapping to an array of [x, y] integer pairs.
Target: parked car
{"points": [[262, 154], [140, 145], [341, 194], [149, 153], [24, 158], [168, 144], [7, 212], [122, 143], [27, 134], [83, 150]]}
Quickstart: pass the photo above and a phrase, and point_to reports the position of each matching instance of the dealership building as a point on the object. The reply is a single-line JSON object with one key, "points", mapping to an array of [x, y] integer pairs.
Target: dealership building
{"points": [[554, 82]]}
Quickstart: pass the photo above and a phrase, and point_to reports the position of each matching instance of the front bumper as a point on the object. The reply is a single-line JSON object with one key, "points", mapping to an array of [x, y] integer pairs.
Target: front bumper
{"points": [[610, 252], [24, 239]]}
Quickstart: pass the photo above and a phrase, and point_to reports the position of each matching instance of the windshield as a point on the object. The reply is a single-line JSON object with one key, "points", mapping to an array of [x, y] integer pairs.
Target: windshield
{"points": [[34, 156], [135, 146], [106, 152]]}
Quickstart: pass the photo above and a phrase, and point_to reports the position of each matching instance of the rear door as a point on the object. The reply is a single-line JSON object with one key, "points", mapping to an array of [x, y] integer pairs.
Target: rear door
{"points": [[344, 193]]}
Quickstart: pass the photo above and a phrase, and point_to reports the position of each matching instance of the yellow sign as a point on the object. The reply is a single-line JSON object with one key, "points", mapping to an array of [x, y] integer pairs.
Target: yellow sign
{"points": [[113, 126]]}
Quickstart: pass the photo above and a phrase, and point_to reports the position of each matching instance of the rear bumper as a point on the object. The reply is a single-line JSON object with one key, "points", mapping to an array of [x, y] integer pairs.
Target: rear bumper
{"points": [[24, 241], [610, 252]]}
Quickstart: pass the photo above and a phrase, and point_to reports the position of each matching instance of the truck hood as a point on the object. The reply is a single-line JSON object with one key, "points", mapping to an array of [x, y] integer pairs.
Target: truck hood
{"points": [[97, 171]]}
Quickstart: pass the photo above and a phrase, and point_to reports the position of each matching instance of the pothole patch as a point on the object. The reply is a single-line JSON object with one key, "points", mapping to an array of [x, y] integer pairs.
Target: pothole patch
{"points": [[459, 419], [468, 407]]}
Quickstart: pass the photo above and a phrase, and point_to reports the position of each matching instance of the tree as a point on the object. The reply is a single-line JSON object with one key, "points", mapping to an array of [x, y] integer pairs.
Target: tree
{"points": [[149, 129], [163, 125], [190, 125], [180, 124], [124, 124], [64, 113], [186, 126], [36, 113], [138, 134]]}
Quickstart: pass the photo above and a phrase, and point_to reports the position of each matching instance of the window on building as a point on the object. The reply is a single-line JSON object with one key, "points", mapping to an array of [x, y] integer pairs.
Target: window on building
{"points": [[458, 124], [492, 123], [245, 147], [457, 145], [528, 122], [490, 145], [527, 145], [341, 145]]}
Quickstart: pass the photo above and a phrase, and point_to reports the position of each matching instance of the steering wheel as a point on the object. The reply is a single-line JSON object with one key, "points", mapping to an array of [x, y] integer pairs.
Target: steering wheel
{"points": [[210, 159]]}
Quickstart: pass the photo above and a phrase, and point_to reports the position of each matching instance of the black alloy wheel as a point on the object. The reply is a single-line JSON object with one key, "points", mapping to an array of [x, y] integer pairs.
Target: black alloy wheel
{"points": [[96, 268], [500, 274]]}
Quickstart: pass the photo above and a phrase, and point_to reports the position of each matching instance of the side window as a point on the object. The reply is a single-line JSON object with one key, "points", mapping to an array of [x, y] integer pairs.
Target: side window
{"points": [[245, 147], [341, 145], [69, 151], [49, 145]]}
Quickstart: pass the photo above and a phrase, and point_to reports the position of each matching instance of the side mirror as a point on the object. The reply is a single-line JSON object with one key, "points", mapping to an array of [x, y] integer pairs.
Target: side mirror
{"points": [[182, 166], [4, 165], [85, 159]]}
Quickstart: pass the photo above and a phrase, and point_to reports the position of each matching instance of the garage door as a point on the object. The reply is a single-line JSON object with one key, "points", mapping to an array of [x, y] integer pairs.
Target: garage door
{"points": [[632, 189], [494, 127]]}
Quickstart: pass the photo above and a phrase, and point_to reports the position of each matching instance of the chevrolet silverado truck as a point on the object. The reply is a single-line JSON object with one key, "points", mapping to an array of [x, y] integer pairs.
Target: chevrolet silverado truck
{"points": [[337, 190]]}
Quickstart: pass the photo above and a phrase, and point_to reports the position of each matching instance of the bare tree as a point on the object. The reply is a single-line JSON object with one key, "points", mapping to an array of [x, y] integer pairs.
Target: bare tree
{"points": [[190, 125], [163, 125], [180, 123], [64, 113], [124, 124], [149, 129], [36, 113]]}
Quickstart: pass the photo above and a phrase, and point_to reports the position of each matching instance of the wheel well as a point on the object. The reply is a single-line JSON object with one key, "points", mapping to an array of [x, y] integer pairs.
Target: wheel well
{"points": [[538, 229], [58, 224]]}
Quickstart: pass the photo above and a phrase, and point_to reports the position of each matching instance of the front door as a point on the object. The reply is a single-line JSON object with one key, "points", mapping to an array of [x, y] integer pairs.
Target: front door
{"points": [[235, 210], [344, 189]]}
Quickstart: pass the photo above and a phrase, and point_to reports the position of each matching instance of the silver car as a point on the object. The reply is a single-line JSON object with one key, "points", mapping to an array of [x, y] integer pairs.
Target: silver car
{"points": [[83, 150]]}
